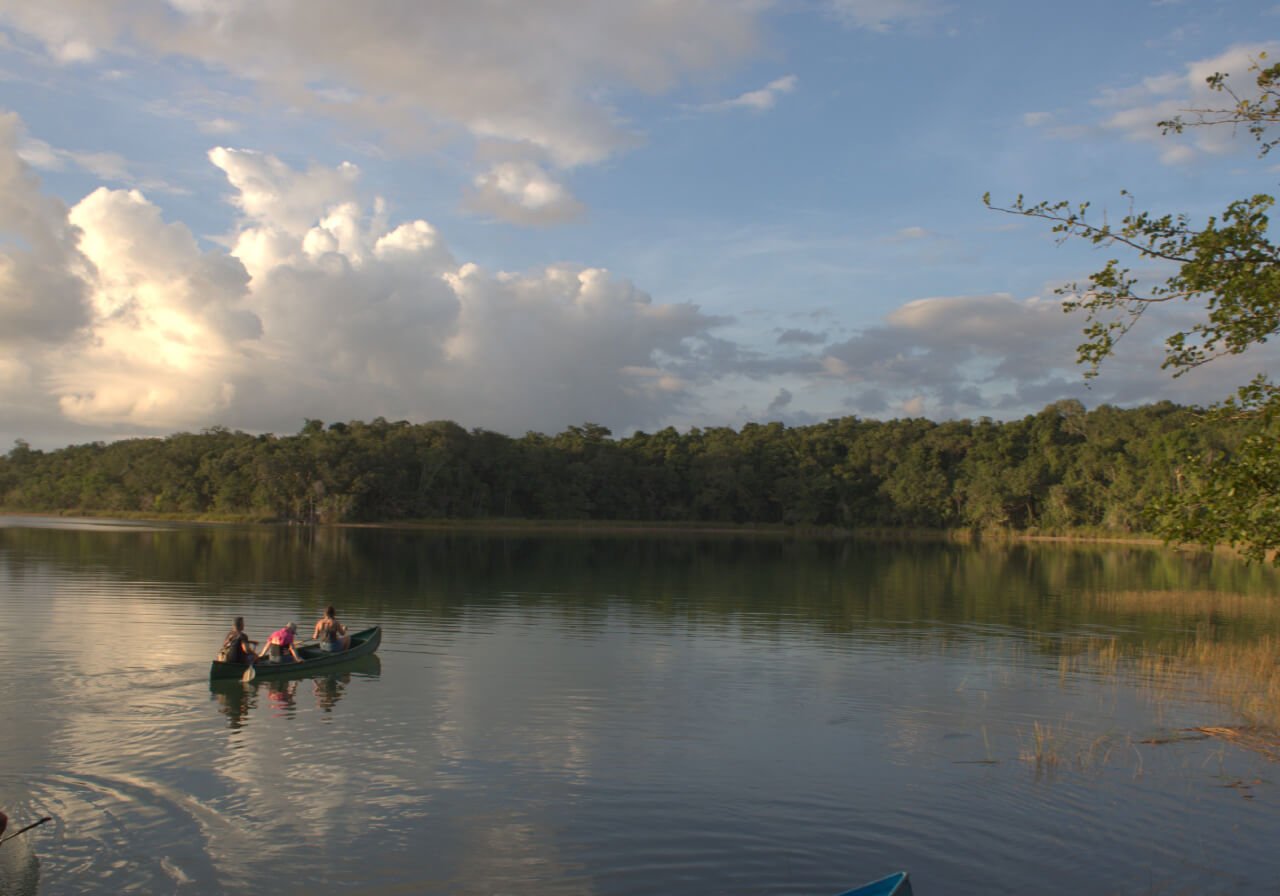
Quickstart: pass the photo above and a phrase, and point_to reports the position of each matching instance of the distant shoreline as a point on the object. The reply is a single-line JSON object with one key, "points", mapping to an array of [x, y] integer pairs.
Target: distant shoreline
{"points": [[630, 527]]}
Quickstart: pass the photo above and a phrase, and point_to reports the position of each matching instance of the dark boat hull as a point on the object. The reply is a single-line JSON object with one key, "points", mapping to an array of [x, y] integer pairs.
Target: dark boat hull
{"points": [[363, 643], [895, 884]]}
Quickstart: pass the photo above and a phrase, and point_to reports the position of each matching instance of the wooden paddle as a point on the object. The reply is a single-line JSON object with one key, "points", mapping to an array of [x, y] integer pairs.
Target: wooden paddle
{"points": [[27, 828]]}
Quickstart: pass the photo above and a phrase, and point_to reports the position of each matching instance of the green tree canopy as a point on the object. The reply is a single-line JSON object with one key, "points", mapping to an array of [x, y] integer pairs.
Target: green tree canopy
{"points": [[1228, 266]]}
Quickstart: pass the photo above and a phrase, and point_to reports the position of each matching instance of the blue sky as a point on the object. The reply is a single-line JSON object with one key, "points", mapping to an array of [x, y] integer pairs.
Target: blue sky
{"points": [[526, 216]]}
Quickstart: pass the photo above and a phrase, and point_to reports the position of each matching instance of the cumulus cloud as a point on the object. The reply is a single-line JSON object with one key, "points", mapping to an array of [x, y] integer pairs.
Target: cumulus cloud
{"points": [[322, 307], [106, 314], [533, 77], [524, 193], [43, 298], [271, 194], [168, 320]]}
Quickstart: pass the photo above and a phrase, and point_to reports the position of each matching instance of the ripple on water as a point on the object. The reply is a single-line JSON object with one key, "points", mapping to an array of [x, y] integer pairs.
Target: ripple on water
{"points": [[126, 835], [19, 866], [604, 738]]}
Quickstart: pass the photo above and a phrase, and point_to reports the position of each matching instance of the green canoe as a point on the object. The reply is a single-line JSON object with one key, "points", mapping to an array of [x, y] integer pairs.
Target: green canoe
{"points": [[363, 643]]}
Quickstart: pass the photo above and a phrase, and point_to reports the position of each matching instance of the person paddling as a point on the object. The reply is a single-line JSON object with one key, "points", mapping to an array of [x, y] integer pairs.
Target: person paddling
{"points": [[238, 647], [331, 633], [280, 640]]}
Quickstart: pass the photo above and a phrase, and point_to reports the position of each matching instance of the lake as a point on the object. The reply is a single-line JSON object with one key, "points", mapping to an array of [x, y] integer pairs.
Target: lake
{"points": [[619, 714]]}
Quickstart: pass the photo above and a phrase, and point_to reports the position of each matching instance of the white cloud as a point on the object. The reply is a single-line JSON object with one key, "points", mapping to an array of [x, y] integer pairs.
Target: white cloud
{"points": [[883, 15], [1177, 154], [108, 166], [168, 325], [524, 193], [39, 154], [326, 308], [1134, 111], [760, 100], [42, 295], [530, 76], [270, 193], [323, 308], [103, 165], [218, 126]]}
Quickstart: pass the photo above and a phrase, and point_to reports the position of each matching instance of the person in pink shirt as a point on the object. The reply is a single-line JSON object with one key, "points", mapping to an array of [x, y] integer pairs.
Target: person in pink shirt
{"points": [[281, 640]]}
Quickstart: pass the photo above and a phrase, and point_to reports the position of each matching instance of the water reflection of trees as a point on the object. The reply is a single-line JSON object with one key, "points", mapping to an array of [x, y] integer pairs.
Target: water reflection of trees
{"points": [[833, 586]]}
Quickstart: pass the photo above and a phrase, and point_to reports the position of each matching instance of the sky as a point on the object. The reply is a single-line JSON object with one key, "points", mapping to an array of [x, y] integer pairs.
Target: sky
{"points": [[525, 216]]}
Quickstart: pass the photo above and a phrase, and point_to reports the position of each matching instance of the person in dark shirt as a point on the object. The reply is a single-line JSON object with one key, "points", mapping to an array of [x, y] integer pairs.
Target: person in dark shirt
{"points": [[237, 647]]}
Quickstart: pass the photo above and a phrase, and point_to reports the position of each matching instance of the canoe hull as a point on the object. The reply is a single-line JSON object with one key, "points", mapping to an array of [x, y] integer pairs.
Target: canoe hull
{"points": [[363, 643], [895, 884]]}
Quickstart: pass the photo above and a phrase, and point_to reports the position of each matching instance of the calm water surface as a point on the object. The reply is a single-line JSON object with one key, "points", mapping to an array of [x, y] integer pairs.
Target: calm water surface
{"points": [[621, 715]]}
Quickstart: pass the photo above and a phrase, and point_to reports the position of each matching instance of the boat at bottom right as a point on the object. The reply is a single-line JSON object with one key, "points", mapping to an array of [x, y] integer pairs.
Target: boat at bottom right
{"points": [[895, 884]]}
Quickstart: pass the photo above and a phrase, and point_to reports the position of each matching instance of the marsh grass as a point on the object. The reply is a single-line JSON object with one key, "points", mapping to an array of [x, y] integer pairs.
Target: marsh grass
{"points": [[1050, 746], [1241, 677], [1242, 673], [1212, 604], [1047, 747], [1231, 680]]}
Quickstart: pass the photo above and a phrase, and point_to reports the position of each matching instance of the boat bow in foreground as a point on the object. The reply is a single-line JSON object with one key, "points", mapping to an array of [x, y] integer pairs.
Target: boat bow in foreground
{"points": [[895, 884]]}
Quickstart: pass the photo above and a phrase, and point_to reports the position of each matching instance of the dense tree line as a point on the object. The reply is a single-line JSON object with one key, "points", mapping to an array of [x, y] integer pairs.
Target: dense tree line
{"points": [[1064, 468]]}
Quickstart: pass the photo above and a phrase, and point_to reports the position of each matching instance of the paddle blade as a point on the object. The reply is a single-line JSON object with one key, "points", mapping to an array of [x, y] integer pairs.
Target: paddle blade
{"points": [[248, 674]]}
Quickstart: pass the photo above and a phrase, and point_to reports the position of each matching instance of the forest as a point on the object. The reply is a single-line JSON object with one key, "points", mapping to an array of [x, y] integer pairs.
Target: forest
{"points": [[1064, 469]]}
